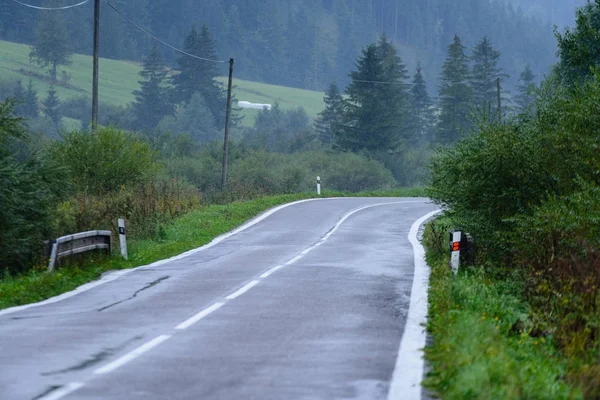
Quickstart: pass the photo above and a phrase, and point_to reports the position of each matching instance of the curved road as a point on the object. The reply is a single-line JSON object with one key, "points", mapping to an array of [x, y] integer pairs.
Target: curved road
{"points": [[309, 302]]}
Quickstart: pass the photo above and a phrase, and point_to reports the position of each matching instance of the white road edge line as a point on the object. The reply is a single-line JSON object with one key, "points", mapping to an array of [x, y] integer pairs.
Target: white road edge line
{"points": [[410, 364], [293, 260], [271, 271], [115, 275], [132, 355], [63, 391], [242, 290], [202, 314]]}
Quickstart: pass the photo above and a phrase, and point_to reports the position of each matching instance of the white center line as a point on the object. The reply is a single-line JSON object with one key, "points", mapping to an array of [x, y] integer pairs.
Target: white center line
{"points": [[243, 290], [293, 260], [202, 314], [271, 271], [63, 391], [132, 355]]}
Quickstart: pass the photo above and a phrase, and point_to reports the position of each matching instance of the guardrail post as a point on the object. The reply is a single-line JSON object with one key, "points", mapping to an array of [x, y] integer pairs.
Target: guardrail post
{"points": [[123, 238], [53, 255], [318, 185]]}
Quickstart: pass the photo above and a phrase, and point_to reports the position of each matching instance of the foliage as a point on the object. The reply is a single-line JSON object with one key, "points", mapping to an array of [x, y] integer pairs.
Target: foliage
{"points": [[29, 187], [578, 47], [194, 118], [105, 161], [455, 95], [482, 345], [422, 117], [153, 99], [330, 121], [526, 96], [376, 113], [51, 106], [52, 45], [485, 75]]}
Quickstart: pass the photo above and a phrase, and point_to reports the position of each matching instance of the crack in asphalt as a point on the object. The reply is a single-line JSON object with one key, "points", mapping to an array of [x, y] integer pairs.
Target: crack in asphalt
{"points": [[93, 360], [148, 286]]}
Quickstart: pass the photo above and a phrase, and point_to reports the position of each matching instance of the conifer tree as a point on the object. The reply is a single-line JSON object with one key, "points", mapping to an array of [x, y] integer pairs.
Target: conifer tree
{"points": [[455, 94], [525, 95], [31, 107], [52, 107], [199, 76], [484, 75], [376, 117], [19, 97], [52, 45], [330, 121], [422, 113], [153, 100]]}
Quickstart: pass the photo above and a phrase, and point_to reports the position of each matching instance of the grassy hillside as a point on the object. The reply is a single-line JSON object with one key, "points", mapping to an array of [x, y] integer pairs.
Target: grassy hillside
{"points": [[118, 79]]}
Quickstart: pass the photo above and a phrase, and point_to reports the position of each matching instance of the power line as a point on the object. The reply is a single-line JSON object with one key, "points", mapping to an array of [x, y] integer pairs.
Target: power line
{"points": [[51, 8], [380, 82], [156, 38]]}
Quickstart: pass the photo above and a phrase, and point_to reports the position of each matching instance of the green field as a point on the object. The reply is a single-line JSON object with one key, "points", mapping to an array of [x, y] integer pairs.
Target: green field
{"points": [[118, 79]]}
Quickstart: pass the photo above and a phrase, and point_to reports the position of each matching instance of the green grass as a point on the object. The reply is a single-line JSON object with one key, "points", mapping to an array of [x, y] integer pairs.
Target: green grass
{"points": [[118, 79], [185, 233], [482, 343]]}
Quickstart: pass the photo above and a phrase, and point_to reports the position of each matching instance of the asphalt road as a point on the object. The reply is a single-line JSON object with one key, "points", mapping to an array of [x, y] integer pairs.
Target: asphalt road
{"points": [[309, 303]]}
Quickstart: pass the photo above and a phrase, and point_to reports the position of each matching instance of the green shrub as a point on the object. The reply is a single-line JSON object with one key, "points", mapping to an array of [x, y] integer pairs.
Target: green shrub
{"points": [[105, 160]]}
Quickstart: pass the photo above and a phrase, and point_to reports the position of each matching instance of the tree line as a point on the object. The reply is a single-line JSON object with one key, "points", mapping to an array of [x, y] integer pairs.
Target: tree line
{"points": [[292, 42]]}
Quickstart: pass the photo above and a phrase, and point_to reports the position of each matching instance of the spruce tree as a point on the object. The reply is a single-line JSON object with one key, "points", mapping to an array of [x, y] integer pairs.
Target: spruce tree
{"points": [[52, 45], [52, 107], [199, 76], [484, 75], [525, 96], [455, 94], [330, 121], [422, 112], [19, 97], [376, 117], [31, 107], [153, 100]]}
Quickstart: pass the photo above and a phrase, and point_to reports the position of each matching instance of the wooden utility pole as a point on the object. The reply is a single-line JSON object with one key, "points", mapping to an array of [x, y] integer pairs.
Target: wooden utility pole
{"points": [[96, 67], [227, 120], [499, 102]]}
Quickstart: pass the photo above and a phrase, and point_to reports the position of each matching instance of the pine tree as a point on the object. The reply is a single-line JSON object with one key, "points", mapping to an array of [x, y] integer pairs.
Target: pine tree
{"points": [[153, 100], [455, 94], [52, 107], [199, 76], [485, 75], [330, 121], [525, 96], [52, 45], [19, 97], [376, 117], [31, 107], [422, 112]]}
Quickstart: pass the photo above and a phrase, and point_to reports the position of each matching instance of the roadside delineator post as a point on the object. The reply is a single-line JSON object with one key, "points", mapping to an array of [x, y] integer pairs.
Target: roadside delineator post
{"points": [[318, 185], [456, 237], [123, 238]]}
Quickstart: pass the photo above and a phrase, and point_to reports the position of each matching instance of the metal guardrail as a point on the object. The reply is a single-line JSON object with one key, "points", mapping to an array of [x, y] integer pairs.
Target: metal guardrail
{"points": [[79, 243]]}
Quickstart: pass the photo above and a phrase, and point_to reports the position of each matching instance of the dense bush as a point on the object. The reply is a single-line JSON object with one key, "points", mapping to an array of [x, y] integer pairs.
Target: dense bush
{"points": [[105, 160], [529, 191]]}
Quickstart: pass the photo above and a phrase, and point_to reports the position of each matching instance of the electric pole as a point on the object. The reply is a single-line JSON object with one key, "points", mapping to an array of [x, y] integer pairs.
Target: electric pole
{"points": [[96, 67], [227, 120]]}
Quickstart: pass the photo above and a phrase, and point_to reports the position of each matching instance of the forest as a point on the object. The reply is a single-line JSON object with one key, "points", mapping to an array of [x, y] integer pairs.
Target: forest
{"points": [[305, 44]]}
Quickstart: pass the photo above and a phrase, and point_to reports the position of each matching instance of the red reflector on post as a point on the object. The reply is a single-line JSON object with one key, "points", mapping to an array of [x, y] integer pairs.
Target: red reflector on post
{"points": [[456, 246]]}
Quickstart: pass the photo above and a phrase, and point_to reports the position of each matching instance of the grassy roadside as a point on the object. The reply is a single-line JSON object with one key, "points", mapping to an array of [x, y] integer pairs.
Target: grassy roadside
{"points": [[483, 346], [185, 233]]}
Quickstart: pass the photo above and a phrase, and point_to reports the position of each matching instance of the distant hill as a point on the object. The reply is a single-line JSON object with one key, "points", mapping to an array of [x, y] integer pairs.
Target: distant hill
{"points": [[558, 12], [304, 43], [118, 79]]}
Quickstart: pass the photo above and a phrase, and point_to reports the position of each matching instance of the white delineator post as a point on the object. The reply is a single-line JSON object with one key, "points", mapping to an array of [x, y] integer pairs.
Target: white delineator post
{"points": [[318, 185], [455, 258], [123, 238]]}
